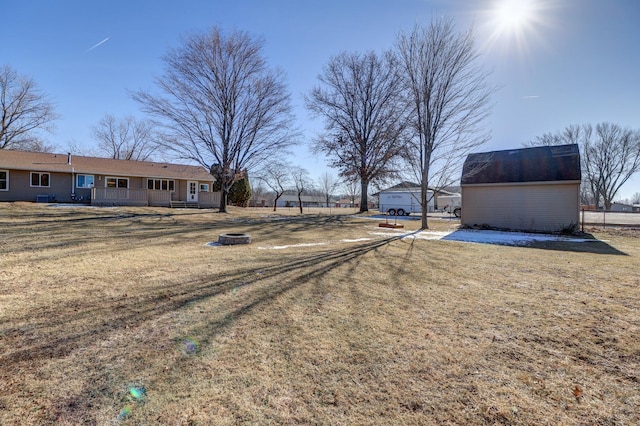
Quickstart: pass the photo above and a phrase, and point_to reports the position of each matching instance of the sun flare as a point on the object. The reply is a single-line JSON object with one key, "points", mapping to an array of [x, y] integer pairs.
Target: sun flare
{"points": [[514, 13], [517, 23]]}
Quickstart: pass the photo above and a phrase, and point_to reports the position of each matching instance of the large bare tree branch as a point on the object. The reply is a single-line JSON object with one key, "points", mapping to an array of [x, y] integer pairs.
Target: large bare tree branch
{"points": [[24, 111], [221, 106], [125, 139], [359, 100], [450, 99]]}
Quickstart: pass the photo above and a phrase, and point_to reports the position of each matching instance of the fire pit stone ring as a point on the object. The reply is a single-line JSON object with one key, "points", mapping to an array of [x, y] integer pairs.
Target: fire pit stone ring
{"points": [[232, 239]]}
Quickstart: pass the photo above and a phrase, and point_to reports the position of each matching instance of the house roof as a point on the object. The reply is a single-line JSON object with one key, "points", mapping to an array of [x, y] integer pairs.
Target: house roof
{"points": [[537, 164], [406, 186], [403, 185], [65, 163]]}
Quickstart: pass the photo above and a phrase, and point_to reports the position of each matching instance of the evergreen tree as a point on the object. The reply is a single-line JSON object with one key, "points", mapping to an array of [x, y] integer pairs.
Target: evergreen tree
{"points": [[240, 192]]}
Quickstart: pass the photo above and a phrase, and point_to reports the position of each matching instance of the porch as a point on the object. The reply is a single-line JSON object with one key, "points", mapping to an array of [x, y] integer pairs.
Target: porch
{"points": [[149, 197]]}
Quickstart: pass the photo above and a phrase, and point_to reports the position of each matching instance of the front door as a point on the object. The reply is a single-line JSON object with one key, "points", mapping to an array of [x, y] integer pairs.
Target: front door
{"points": [[192, 191]]}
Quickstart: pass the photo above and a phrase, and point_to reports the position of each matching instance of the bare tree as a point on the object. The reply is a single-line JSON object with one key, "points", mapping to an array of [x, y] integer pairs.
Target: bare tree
{"points": [[258, 191], [126, 139], [327, 184], [569, 135], [24, 112], [449, 97], [301, 182], [572, 134], [635, 198], [276, 176], [359, 99], [610, 156], [222, 107], [351, 187]]}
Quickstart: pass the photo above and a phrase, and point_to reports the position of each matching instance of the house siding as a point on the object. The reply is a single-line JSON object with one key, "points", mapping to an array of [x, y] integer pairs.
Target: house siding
{"points": [[20, 188], [543, 207]]}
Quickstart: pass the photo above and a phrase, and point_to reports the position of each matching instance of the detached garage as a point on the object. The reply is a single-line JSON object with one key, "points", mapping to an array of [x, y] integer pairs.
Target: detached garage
{"points": [[531, 189]]}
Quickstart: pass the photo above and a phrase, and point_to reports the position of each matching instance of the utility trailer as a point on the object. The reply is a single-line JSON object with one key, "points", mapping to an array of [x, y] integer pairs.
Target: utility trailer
{"points": [[403, 202]]}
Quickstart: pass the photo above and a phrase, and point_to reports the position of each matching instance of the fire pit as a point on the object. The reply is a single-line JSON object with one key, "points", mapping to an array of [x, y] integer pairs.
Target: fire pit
{"points": [[231, 239]]}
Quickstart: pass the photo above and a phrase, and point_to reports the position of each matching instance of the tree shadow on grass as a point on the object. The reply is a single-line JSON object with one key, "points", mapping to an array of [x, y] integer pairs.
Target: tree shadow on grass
{"points": [[63, 330], [594, 247], [48, 337]]}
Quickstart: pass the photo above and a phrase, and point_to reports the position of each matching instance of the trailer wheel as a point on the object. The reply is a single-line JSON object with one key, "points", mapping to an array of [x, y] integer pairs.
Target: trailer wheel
{"points": [[391, 212], [401, 212], [457, 212]]}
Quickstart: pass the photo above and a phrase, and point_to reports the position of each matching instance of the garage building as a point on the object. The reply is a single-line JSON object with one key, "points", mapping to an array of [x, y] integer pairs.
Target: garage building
{"points": [[530, 189]]}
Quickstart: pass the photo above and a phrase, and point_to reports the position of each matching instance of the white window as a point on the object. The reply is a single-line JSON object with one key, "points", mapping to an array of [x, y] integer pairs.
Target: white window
{"points": [[4, 180], [40, 179], [204, 187], [161, 184], [113, 182], [84, 181]]}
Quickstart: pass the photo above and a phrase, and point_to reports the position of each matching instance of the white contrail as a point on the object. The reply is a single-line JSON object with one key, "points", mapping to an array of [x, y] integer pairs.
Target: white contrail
{"points": [[98, 44], [531, 97]]}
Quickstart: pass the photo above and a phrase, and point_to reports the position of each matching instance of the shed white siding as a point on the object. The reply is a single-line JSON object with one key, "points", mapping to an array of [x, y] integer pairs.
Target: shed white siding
{"points": [[542, 206]]}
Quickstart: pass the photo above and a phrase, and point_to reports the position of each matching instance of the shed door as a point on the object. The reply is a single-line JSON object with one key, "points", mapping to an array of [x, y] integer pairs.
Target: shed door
{"points": [[192, 191]]}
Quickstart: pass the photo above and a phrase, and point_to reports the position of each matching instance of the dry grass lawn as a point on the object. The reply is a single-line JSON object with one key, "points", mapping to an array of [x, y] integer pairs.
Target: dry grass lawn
{"points": [[127, 316]]}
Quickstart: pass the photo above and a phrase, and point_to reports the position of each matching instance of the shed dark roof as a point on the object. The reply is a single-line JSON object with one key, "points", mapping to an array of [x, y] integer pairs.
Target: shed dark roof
{"points": [[538, 164]]}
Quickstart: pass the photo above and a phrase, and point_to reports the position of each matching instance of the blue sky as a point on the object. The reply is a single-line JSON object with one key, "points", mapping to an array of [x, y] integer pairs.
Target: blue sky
{"points": [[564, 62]]}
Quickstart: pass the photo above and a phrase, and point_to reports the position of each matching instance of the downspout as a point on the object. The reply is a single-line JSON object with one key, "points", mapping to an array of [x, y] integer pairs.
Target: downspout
{"points": [[73, 177]]}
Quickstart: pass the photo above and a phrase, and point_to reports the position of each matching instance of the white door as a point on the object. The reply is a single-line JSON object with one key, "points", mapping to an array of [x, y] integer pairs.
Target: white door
{"points": [[192, 191]]}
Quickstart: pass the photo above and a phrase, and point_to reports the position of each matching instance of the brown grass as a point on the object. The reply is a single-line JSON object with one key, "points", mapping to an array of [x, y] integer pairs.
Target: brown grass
{"points": [[97, 304]]}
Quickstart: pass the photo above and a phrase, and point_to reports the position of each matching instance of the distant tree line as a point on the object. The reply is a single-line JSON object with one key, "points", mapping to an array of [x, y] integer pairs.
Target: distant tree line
{"points": [[610, 156]]}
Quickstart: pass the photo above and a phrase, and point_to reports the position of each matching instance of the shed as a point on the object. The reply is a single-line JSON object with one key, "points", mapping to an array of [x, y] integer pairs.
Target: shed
{"points": [[529, 189]]}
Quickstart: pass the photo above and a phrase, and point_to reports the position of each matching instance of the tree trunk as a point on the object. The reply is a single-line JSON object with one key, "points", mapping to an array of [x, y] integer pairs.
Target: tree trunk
{"points": [[224, 193], [364, 201], [300, 201], [424, 202]]}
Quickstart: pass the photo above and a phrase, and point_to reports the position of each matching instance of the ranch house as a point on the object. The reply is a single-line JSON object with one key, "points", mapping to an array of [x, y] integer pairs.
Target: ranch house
{"points": [[63, 178]]}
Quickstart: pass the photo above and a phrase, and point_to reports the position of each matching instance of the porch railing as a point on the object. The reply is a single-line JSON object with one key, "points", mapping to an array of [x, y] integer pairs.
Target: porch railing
{"points": [[209, 199], [146, 197], [119, 197], [159, 198]]}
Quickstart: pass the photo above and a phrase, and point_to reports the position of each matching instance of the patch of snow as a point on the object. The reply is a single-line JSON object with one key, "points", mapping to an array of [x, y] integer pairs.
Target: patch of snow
{"points": [[72, 206], [292, 245], [429, 235], [356, 240], [507, 238], [482, 236], [418, 235], [276, 217]]}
